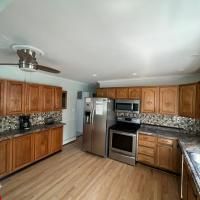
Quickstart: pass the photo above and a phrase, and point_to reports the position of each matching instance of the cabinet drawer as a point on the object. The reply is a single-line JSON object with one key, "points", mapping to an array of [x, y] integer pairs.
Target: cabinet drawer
{"points": [[165, 141], [147, 144], [146, 150], [147, 138], [146, 159]]}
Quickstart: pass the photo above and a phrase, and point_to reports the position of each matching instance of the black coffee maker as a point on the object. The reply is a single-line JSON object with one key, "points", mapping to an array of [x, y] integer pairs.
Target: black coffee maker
{"points": [[24, 122]]}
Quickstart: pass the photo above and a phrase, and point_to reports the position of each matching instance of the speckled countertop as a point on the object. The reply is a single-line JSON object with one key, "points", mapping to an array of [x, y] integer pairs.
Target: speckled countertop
{"points": [[188, 143], [16, 133]]}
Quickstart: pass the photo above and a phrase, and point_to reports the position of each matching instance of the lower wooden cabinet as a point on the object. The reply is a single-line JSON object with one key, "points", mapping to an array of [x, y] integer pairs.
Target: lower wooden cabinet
{"points": [[189, 190], [158, 152], [23, 151], [5, 157], [56, 139], [42, 144]]}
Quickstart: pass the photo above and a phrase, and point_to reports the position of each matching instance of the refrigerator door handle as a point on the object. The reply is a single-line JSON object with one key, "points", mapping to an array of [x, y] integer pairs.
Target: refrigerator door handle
{"points": [[93, 116]]}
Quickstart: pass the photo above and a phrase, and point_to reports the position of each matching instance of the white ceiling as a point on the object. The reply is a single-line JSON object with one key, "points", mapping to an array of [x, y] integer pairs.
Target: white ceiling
{"points": [[111, 38]]}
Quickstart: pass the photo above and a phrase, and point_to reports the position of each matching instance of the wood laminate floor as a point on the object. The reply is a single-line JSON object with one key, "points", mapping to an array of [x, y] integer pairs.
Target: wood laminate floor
{"points": [[74, 174]]}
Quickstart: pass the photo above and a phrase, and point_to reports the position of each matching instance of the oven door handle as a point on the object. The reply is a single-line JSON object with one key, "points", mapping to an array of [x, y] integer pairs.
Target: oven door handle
{"points": [[123, 133]]}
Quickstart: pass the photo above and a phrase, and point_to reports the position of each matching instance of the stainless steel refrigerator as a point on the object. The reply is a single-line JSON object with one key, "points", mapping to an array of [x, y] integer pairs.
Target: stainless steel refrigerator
{"points": [[98, 117]]}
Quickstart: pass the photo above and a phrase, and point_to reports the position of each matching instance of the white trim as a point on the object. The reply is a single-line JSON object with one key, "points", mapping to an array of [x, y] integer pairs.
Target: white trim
{"points": [[69, 140]]}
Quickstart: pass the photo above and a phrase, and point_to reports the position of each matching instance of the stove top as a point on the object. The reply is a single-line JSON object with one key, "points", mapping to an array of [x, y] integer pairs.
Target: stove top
{"points": [[125, 127]]}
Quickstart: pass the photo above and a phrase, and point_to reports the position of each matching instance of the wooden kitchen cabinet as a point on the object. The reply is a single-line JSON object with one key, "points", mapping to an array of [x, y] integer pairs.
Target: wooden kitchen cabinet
{"points": [[122, 93], [111, 93], [23, 151], [2, 97], [169, 100], [15, 97], [42, 144], [33, 98], [158, 152], [150, 99], [48, 98], [56, 139], [187, 100], [57, 98], [188, 189], [101, 92], [5, 157], [135, 93]]}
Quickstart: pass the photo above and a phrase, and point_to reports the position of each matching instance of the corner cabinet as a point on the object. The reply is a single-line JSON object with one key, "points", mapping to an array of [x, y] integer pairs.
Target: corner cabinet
{"points": [[15, 97], [189, 100], [2, 97], [5, 157], [150, 99], [168, 100]]}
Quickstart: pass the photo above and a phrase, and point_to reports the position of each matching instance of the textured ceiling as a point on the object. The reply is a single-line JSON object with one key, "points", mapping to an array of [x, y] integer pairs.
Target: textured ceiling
{"points": [[110, 38]]}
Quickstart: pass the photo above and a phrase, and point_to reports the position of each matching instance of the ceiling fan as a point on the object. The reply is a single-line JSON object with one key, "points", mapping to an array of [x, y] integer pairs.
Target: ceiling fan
{"points": [[27, 59]]}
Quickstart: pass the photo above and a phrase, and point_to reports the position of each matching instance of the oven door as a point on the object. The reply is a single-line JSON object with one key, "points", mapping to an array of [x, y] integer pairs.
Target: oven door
{"points": [[122, 142]]}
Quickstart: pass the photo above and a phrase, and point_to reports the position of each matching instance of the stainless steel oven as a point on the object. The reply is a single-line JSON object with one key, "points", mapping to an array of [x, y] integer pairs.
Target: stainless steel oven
{"points": [[127, 106]]}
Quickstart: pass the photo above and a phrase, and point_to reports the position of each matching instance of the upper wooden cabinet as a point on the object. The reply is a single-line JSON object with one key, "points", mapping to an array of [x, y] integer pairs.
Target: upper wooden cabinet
{"points": [[111, 93], [134, 93], [57, 98], [169, 100], [2, 97], [5, 157], [122, 93], [15, 97], [101, 92], [150, 97], [33, 98], [48, 98], [188, 100]]}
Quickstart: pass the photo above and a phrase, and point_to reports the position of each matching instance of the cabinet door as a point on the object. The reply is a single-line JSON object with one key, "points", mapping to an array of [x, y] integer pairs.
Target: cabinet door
{"points": [[15, 97], [169, 100], [56, 139], [101, 92], [57, 98], [111, 93], [122, 93], [150, 100], [5, 157], [33, 98], [187, 100], [23, 151], [135, 93], [2, 97], [48, 98], [192, 193], [42, 144], [198, 102], [185, 182], [164, 156]]}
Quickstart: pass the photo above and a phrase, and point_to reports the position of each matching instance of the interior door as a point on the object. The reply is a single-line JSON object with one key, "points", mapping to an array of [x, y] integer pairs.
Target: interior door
{"points": [[99, 134]]}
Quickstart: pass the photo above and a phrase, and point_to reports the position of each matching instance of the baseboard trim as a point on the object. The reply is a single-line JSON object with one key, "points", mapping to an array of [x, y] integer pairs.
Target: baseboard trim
{"points": [[69, 140]]}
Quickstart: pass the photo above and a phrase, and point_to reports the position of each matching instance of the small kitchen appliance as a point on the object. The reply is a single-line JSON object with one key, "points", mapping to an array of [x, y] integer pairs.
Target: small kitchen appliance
{"points": [[24, 122], [127, 106]]}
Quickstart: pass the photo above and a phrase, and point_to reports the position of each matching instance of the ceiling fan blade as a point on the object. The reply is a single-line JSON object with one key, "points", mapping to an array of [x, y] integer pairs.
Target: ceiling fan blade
{"points": [[9, 64], [24, 55], [47, 69]]}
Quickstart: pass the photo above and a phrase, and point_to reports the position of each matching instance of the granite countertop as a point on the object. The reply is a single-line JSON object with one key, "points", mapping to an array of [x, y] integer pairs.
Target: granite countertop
{"points": [[16, 133], [188, 143]]}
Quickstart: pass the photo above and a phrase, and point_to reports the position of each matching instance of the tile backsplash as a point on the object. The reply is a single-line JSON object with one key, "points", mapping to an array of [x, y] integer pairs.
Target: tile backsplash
{"points": [[12, 122], [189, 124]]}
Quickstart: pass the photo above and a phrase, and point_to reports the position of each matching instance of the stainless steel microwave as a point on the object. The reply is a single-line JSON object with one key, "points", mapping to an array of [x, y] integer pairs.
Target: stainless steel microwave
{"points": [[127, 106]]}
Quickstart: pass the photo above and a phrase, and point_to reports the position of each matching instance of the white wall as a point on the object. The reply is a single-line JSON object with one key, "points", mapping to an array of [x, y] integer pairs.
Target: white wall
{"points": [[69, 114]]}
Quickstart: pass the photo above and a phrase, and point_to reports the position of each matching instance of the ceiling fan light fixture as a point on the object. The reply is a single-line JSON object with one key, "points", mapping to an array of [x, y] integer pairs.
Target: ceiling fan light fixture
{"points": [[27, 67]]}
